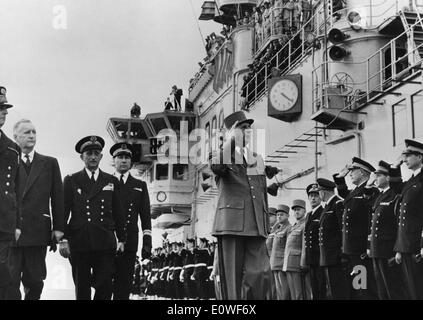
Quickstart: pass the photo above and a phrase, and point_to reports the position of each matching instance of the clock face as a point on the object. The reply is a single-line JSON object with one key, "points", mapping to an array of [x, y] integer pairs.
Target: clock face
{"points": [[284, 94]]}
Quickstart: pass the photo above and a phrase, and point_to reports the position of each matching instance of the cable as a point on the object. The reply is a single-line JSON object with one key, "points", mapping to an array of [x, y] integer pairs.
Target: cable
{"points": [[198, 25]]}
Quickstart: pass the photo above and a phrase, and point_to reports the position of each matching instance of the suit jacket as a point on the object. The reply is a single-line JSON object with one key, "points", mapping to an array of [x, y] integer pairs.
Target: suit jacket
{"points": [[242, 207], [95, 213], [330, 233], [278, 249], [311, 251], [135, 203], [10, 216], [384, 226], [42, 201], [356, 217], [293, 248], [410, 225]]}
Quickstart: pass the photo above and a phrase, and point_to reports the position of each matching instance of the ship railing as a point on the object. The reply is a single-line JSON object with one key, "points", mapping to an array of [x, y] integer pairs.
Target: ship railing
{"points": [[285, 59], [403, 62]]}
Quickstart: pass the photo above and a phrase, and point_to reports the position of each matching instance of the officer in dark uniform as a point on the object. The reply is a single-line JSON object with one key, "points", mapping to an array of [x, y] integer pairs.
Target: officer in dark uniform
{"points": [[153, 276], [201, 258], [92, 200], [383, 232], [311, 252], [10, 220], [210, 282], [409, 241], [330, 242], [188, 269], [356, 223], [161, 267], [136, 203], [175, 283]]}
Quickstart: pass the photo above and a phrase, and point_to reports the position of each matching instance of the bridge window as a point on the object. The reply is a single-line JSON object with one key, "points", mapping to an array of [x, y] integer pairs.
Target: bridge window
{"points": [[162, 171], [417, 105], [180, 172], [159, 124], [221, 118], [399, 119]]}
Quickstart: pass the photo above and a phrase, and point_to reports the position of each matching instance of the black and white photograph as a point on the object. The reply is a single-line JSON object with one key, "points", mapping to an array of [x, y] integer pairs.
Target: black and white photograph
{"points": [[210, 154]]}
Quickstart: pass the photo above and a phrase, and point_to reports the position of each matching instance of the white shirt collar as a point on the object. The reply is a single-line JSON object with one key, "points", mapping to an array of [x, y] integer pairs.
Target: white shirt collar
{"points": [[384, 190], [315, 209], [96, 173], [125, 176], [416, 172], [330, 199], [31, 156]]}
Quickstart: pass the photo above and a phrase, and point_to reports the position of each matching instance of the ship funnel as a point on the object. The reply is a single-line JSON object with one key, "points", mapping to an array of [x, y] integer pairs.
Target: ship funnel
{"points": [[337, 53], [337, 36], [273, 189]]}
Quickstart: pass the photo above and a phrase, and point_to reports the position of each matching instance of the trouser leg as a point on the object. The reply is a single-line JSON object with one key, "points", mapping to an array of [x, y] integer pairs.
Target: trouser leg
{"points": [[16, 264], [34, 271], [81, 272], [411, 276], [103, 268], [336, 283], [123, 275], [257, 280], [295, 285], [5, 270]]}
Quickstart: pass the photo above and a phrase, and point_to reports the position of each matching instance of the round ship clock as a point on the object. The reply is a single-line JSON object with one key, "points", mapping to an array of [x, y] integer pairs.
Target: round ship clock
{"points": [[285, 97]]}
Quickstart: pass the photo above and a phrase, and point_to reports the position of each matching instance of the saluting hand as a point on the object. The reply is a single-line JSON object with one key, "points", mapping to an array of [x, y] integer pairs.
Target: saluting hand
{"points": [[372, 180], [398, 162], [343, 173]]}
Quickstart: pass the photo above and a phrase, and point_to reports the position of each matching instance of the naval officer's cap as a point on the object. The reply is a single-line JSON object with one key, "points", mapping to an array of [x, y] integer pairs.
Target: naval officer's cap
{"points": [[192, 240], [325, 184], [239, 116], [121, 148], [3, 100], [312, 188], [205, 240], [358, 163], [413, 147], [89, 143], [383, 168]]}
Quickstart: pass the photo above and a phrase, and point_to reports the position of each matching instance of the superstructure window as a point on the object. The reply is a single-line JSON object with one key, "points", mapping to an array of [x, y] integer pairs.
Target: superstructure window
{"points": [[162, 171], [180, 172], [399, 119], [417, 105]]}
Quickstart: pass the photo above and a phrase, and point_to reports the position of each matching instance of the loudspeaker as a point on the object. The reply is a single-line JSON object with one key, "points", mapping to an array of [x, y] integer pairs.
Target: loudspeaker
{"points": [[337, 53]]}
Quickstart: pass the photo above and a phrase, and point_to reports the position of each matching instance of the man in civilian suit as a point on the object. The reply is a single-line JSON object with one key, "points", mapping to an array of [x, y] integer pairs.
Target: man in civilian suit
{"points": [[92, 200], [40, 188], [241, 223], [136, 203]]}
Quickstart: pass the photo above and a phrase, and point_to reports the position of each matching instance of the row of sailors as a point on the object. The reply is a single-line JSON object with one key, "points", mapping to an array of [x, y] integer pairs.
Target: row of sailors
{"points": [[182, 273], [364, 243]]}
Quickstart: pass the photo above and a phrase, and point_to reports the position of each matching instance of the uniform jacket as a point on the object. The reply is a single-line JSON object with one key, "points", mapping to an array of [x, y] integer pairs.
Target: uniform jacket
{"points": [[176, 265], [293, 248], [311, 251], [410, 224], [330, 233], [135, 203], [188, 266], [95, 213], [242, 206], [42, 201], [278, 247], [384, 225], [356, 217], [9, 184], [271, 237], [201, 258]]}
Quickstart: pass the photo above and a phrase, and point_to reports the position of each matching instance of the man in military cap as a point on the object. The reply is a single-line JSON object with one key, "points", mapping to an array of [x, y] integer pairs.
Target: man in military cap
{"points": [[136, 204], [10, 220], [188, 269], [292, 258], [330, 242], [311, 252], [92, 200], [269, 242], [409, 241], [383, 231], [41, 198], [355, 223], [241, 222], [278, 252]]}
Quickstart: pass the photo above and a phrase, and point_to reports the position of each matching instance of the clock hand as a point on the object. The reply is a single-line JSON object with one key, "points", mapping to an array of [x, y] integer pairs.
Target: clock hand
{"points": [[292, 101]]}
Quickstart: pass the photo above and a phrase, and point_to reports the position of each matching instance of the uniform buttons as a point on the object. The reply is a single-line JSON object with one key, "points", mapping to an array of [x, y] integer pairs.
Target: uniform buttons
{"points": [[130, 209], [102, 220], [6, 192], [88, 207], [252, 187], [403, 224], [7, 184], [88, 213], [127, 221], [102, 213], [249, 179], [102, 200], [8, 175], [88, 201], [102, 207], [227, 205], [254, 197], [9, 168], [89, 220], [131, 204]]}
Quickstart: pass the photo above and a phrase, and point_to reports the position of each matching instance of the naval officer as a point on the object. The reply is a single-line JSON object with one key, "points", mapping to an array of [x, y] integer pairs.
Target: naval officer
{"points": [[10, 222], [409, 241], [241, 223], [136, 204], [92, 200]]}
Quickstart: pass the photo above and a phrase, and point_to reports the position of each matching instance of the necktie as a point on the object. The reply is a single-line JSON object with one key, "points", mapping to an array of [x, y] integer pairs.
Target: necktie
{"points": [[28, 161], [92, 177], [121, 179]]}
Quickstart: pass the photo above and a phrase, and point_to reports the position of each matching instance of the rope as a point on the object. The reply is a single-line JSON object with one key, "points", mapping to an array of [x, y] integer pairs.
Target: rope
{"points": [[198, 25]]}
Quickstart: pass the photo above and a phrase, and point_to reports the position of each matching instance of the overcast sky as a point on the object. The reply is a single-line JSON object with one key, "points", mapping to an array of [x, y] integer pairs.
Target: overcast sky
{"points": [[111, 54]]}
